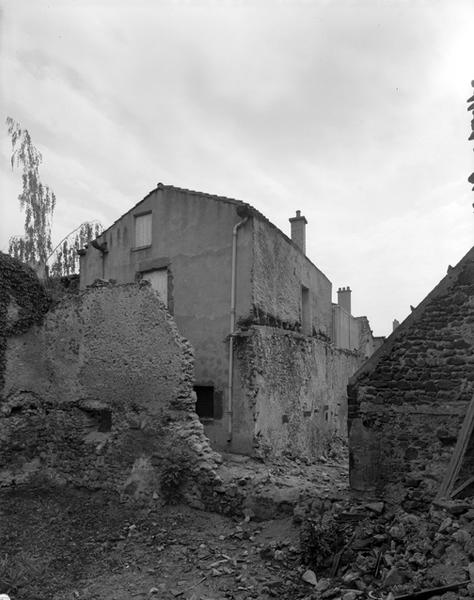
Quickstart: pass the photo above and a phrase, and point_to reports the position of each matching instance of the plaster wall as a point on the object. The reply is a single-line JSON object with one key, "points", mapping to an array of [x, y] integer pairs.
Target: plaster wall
{"points": [[100, 394], [368, 344], [351, 333], [292, 396], [279, 272], [354, 334], [192, 237], [407, 402]]}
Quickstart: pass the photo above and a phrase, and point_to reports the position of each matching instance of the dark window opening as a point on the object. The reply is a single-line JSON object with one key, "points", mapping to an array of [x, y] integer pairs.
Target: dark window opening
{"points": [[305, 311], [104, 420], [204, 401], [99, 419]]}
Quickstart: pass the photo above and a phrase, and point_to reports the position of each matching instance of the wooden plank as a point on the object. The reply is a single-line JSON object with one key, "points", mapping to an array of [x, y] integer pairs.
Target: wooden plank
{"points": [[426, 594], [458, 454], [463, 486]]}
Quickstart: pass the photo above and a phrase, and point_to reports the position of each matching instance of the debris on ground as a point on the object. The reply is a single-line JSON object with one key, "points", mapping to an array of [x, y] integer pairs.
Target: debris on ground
{"points": [[290, 530], [377, 552], [277, 488]]}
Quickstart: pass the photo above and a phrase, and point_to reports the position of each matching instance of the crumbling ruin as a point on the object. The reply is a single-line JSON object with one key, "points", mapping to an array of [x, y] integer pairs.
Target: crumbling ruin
{"points": [[97, 391], [294, 390]]}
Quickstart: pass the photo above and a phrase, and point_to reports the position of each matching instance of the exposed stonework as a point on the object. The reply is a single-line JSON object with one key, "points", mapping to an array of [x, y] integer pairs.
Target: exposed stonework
{"points": [[407, 402], [100, 395], [292, 393]]}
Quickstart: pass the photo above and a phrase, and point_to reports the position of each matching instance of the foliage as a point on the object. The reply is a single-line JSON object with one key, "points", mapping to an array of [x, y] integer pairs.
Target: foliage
{"points": [[66, 257], [175, 470], [20, 284], [38, 202], [36, 199], [320, 540]]}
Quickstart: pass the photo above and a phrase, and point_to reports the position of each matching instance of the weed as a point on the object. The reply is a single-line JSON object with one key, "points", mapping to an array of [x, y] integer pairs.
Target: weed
{"points": [[174, 473], [320, 540]]}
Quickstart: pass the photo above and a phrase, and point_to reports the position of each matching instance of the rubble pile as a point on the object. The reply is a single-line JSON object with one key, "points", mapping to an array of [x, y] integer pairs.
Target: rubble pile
{"points": [[275, 489], [381, 551]]}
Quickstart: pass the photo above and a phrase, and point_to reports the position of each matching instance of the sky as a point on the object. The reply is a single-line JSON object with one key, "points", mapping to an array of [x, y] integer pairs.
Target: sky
{"points": [[353, 112]]}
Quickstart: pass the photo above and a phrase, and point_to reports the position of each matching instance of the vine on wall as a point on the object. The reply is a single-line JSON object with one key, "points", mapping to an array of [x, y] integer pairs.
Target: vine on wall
{"points": [[18, 283]]}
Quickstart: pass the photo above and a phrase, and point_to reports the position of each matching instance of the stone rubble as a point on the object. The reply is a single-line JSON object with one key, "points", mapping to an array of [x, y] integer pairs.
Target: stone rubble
{"points": [[332, 547], [274, 489], [392, 552]]}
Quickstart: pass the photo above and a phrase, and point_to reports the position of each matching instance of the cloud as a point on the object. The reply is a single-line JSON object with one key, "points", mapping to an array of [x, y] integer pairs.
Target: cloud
{"points": [[352, 112]]}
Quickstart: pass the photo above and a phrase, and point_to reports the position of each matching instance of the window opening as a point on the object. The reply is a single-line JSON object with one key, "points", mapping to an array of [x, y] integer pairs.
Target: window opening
{"points": [[204, 401], [143, 230], [305, 311]]}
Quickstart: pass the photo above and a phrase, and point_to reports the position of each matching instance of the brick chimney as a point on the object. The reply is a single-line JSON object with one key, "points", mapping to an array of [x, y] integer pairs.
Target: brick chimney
{"points": [[395, 324], [298, 231], [344, 298]]}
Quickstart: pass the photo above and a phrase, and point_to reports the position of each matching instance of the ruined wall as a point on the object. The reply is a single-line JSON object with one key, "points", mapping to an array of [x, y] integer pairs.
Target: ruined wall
{"points": [[368, 344], [100, 394], [279, 272], [407, 402], [290, 392], [23, 302]]}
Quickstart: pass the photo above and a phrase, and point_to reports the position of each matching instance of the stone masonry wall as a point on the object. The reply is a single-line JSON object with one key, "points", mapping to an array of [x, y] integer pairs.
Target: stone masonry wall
{"points": [[406, 404], [293, 391], [100, 395]]}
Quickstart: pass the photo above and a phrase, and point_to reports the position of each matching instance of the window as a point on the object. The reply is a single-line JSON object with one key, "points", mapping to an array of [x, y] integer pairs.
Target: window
{"points": [[143, 230], [305, 311], [159, 282], [204, 401]]}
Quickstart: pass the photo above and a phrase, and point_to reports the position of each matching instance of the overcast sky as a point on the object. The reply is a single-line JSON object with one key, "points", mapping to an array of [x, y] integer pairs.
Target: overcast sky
{"points": [[353, 112]]}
